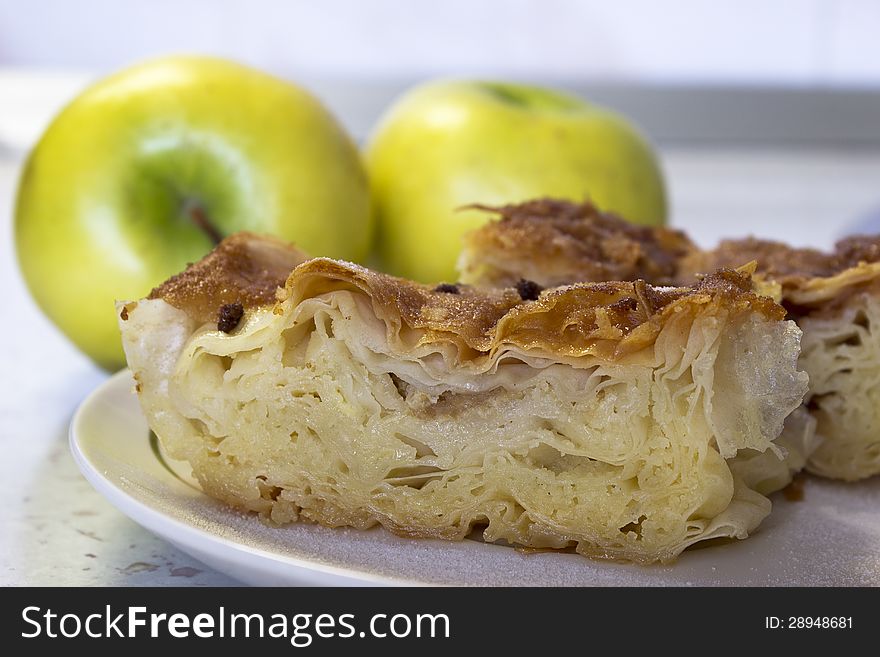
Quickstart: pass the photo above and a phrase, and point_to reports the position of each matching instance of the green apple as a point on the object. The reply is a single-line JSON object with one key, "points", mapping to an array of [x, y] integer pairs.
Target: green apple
{"points": [[149, 168], [448, 144]]}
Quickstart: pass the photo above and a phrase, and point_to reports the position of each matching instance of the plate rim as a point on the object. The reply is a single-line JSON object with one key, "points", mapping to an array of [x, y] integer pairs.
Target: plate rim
{"points": [[147, 516]]}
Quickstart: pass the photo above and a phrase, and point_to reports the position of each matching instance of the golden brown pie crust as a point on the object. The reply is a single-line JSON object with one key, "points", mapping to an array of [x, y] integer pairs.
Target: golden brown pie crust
{"points": [[808, 277], [606, 319], [568, 242], [243, 269]]}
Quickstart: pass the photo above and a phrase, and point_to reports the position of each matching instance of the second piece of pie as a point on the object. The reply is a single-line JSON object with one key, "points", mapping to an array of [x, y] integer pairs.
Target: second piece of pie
{"points": [[835, 299], [548, 242]]}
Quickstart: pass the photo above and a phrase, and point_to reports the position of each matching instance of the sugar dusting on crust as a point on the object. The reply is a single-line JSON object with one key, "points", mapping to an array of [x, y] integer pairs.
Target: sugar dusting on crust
{"points": [[810, 280], [245, 269], [553, 242], [791, 265]]}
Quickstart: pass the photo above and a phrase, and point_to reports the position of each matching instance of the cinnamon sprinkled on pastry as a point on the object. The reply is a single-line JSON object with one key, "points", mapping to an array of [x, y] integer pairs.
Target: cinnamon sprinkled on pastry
{"points": [[554, 242], [244, 268]]}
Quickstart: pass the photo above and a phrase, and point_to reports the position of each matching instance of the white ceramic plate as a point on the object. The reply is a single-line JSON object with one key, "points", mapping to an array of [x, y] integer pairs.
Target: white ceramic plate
{"points": [[832, 537]]}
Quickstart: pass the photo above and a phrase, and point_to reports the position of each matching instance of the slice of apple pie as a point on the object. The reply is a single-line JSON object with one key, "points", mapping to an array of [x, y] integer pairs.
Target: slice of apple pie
{"points": [[600, 417], [835, 299], [548, 242]]}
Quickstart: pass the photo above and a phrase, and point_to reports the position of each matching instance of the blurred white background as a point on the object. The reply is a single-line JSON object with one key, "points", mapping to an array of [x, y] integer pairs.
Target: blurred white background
{"points": [[766, 113], [790, 42]]}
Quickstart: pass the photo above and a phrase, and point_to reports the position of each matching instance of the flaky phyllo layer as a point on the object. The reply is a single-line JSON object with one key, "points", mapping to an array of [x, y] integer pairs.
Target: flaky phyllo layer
{"points": [[841, 353], [625, 421]]}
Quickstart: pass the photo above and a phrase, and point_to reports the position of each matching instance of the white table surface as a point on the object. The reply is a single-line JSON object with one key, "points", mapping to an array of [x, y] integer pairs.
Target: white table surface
{"points": [[56, 530]]}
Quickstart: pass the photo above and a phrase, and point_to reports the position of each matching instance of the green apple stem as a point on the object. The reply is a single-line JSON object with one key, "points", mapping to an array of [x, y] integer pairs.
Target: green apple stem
{"points": [[200, 218]]}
